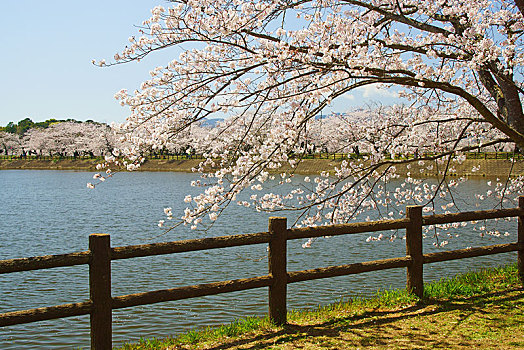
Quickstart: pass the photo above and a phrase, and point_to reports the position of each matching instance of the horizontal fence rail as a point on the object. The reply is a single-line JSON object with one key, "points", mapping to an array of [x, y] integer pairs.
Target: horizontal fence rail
{"points": [[100, 255], [471, 216], [44, 262], [471, 252], [188, 292], [346, 229], [135, 251], [45, 313], [343, 270]]}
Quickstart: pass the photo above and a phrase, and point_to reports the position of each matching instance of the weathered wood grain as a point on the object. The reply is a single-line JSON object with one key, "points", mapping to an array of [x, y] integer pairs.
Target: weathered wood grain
{"points": [[415, 271], [277, 262], [134, 251], [100, 291], [347, 229], [471, 216], [470, 252], [343, 270], [194, 291], [43, 262], [45, 313]]}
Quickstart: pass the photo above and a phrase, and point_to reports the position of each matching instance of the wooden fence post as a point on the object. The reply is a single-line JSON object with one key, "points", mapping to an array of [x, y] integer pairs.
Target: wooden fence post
{"points": [[415, 276], [100, 291], [278, 270], [520, 240]]}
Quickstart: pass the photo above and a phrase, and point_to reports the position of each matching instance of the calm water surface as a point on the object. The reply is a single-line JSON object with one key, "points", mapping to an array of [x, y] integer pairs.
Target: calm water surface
{"points": [[52, 212]]}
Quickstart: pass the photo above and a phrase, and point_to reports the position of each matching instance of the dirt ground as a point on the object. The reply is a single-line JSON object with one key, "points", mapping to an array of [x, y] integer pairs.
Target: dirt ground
{"points": [[489, 321]]}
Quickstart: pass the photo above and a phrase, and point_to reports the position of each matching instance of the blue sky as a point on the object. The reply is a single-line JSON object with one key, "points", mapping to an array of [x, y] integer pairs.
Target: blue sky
{"points": [[47, 48]]}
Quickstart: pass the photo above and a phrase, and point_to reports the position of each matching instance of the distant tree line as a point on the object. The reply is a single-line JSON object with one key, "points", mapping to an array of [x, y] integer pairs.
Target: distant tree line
{"points": [[25, 124], [336, 134], [74, 138]]}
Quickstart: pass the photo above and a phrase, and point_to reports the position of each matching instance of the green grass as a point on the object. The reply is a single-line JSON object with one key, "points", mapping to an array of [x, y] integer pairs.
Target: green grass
{"points": [[448, 304], [473, 283], [235, 328]]}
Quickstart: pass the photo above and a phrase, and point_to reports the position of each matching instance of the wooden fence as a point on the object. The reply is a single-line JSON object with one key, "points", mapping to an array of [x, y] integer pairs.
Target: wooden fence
{"points": [[100, 254]]}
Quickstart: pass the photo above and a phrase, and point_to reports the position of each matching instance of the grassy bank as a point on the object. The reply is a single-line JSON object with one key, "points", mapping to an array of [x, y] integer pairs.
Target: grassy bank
{"points": [[484, 167], [483, 309]]}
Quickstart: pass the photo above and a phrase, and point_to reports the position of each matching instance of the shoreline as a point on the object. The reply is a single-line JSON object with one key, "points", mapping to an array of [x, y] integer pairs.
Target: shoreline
{"points": [[486, 167]]}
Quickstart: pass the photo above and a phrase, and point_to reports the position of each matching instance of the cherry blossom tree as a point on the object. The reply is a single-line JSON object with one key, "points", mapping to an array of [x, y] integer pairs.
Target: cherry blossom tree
{"points": [[10, 143], [361, 130], [271, 66], [36, 142], [191, 139], [93, 139], [71, 138]]}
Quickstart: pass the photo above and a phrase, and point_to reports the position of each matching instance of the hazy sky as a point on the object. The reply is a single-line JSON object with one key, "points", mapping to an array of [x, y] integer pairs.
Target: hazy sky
{"points": [[47, 48]]}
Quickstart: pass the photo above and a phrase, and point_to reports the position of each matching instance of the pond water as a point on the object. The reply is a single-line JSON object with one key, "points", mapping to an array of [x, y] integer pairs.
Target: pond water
{"points": [[52, 212]]}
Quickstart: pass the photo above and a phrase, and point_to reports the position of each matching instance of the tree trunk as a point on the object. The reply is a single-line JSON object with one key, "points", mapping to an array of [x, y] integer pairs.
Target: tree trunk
{"points": [[520, 6]]}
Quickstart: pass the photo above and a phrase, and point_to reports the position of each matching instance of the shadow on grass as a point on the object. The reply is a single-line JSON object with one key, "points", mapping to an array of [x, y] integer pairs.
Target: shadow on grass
{"points": [[377, 327]]}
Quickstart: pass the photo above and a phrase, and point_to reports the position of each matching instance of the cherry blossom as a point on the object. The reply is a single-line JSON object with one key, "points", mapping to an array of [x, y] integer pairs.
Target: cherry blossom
{"points": [[70, 138], [10, 144], [270, 68]]}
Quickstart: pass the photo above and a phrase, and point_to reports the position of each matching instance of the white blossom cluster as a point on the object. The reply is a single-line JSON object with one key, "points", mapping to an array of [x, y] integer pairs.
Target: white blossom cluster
{"points": [[271, 66]]}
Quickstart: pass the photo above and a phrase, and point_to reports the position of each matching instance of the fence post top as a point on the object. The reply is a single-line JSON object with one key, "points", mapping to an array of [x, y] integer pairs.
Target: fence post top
{"points": [[277, 224], [99, 235], [414, 210]]}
